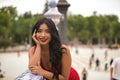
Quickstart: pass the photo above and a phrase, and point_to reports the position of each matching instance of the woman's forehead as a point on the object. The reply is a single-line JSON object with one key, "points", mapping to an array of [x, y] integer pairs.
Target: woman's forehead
{"points": [[43, 26]]}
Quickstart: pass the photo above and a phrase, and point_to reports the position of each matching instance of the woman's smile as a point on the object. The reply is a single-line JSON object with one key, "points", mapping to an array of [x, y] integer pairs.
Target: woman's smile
{"points": [[43, 39]]}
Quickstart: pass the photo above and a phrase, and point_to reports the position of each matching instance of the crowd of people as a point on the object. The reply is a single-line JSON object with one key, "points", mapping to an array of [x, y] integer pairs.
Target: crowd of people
{"points": [[97, 61], [112, 66]]}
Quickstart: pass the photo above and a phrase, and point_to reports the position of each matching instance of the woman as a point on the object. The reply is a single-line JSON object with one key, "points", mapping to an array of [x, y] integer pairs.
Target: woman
{"points": [[48, 57]]}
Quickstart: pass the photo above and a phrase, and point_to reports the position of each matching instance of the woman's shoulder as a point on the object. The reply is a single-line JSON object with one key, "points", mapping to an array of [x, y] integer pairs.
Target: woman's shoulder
{"points": [[65, 48], [32, 49]]}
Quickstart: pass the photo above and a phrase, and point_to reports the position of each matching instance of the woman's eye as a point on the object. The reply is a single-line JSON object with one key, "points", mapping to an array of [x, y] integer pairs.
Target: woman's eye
{"points": [[47, 31], [39, 31]]}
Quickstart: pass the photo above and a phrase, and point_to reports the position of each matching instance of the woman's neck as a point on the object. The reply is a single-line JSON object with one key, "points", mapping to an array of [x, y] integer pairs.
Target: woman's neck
{"points": [[45, 48], [45, 52]]}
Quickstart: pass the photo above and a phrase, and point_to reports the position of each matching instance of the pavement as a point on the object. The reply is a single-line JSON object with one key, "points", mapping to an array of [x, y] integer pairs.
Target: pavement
{"points": [[80, 59]]}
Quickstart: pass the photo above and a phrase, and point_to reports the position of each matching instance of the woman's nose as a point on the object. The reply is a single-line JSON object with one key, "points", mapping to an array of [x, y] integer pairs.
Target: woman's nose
{"points": [[43, 34]]}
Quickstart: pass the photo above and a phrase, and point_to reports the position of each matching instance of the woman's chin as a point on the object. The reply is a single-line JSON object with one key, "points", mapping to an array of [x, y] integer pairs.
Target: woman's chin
{"points": [[43, 43]]}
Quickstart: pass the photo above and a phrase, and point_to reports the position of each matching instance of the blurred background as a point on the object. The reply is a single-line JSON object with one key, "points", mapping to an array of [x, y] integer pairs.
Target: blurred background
{"points": [[93, 29]]}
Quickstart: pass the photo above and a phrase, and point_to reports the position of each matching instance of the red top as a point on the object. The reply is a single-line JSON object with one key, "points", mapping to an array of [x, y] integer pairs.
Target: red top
{"points": [[72, 76], [73, 73]]}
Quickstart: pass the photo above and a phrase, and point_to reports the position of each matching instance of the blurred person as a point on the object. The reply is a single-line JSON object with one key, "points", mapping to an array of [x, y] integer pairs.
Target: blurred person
{"points": [[90, 63], [106, 54], [18, 54], [92, 56], [106, 65], [1, 74], [76, 51], [97, 62], [84, 74], [111, 61], [115, 69], [48, 57], [91, 60]]}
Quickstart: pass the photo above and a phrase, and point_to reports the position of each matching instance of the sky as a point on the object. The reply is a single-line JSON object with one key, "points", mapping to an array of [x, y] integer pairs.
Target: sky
{"points": [[83, 7]]}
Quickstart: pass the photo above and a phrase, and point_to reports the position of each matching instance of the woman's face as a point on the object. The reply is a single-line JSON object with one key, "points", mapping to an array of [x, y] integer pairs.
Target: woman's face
{"points": [[43, 34]]}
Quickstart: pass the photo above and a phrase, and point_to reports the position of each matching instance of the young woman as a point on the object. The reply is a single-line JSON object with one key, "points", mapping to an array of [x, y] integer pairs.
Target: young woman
{"points": [[48, 57]]}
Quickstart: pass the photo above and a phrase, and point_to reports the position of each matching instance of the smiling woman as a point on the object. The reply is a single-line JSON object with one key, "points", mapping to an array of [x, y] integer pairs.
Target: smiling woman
{"points": [[48, 58]]}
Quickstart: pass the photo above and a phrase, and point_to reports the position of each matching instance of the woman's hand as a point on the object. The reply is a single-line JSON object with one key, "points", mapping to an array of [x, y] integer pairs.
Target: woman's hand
{"points": [[35, 38], [36, 69]]}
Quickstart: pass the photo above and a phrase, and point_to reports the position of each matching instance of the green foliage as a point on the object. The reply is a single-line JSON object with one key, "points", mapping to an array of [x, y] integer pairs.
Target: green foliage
{"points": [[16, 30], [77, 26], [7, 16], [94, 28]]}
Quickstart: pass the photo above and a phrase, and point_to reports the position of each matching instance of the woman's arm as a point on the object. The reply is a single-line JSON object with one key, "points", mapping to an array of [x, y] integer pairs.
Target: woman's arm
{"points": [[65, 65], [111, 72], [35, 52], [66, 62], [65, 68], [34, 55]]}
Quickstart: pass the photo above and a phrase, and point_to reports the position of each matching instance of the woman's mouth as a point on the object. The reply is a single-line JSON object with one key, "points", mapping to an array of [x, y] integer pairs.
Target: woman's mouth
{"points": [[43, 40]]}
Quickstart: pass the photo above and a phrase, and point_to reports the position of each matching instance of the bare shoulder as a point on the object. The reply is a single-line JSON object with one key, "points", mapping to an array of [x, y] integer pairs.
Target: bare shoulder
{"points": [[66, 57], [65, 49], [31, 50], [64, 46]]}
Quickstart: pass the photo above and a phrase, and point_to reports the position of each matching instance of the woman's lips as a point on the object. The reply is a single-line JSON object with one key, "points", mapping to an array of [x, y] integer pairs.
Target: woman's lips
{"points": [[43, 40]]}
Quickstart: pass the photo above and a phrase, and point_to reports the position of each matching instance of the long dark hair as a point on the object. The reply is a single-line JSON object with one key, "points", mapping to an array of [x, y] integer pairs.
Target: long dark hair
{"points": [[54, 45]]}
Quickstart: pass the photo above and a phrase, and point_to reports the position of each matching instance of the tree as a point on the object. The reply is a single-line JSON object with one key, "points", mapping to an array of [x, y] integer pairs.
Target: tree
{"points": [[93, 27], [7, 17], [106, 30], [77, 28], [115, 28]]}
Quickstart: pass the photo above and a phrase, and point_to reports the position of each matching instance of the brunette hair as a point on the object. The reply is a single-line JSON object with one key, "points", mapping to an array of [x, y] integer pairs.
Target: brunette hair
{"points": [[54, 45]]}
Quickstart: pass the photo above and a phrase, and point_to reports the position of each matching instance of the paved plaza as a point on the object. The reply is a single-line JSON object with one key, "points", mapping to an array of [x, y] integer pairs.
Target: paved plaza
{"points": [[80, 59]]}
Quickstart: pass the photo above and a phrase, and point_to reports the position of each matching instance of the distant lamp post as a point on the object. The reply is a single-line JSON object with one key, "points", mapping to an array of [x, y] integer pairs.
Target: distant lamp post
{"points": [[53, 13], [63, 7]]}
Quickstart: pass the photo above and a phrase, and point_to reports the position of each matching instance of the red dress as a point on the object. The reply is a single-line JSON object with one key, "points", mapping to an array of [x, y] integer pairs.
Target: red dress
{"points": [[73, 73]]}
